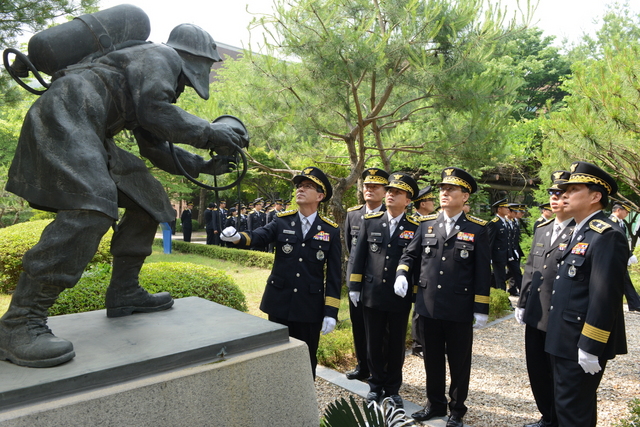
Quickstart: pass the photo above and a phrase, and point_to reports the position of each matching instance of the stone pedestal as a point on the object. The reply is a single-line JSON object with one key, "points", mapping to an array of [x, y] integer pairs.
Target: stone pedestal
{"points": [[197, 364]]}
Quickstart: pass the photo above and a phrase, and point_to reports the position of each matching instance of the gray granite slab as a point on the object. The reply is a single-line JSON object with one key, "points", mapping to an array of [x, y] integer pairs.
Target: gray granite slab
{"points": [[110, 351]]}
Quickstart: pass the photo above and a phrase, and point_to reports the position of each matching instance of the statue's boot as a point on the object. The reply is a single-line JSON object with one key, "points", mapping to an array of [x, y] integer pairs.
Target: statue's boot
{"points": [[25, 338], [125, 295]]}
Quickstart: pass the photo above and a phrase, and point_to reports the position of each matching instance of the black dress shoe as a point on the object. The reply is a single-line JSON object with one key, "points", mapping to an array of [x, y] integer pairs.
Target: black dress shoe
{"points": [[539, 423], [455, 421], [374, 396], [357, 374], [417, 352], [397, 400], [427, 414]]}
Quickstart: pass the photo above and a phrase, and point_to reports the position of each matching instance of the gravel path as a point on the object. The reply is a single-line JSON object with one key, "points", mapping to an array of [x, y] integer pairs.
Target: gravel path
{"points": [[499, 394]]}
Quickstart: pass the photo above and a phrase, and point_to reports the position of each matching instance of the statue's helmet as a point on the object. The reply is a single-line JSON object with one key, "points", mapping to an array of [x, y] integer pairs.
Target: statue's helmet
{"points": [[198, 52]]}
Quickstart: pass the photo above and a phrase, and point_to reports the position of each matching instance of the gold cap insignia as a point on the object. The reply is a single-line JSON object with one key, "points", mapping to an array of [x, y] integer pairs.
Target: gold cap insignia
{"points": [[372, 171], [397, 177], [557, 175], [448, 172], [573, 167], [307, 171]]}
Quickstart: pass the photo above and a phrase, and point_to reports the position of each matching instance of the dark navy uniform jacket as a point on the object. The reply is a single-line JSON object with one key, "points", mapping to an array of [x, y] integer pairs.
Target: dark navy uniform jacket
{"points": [[586, 305], [499, 240], [455, 272], [375, 260], [256, 219], [296, 289], [352, 226], [540, 271]]}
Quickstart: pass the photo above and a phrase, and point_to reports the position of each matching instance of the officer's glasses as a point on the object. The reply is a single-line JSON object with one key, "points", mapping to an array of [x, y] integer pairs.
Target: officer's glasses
{"points": [[556, 193], [307, 186]]}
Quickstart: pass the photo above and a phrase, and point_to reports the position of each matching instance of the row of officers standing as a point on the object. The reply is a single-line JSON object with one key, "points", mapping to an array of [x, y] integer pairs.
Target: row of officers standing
{"points": [[440, 264]]}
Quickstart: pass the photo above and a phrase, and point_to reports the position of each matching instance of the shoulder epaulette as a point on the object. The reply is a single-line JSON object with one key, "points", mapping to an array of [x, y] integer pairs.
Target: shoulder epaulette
{"points": [[477, 220], [354, 208], [412, 221], [495, 219], [287, 213], [328, 221], [428, 218], [599, 225], [614, 218], [373, 215], [542, 224]]}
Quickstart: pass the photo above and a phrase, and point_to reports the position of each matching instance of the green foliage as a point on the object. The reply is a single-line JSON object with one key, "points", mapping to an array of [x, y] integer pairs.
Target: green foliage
{"points": [[499, 303], [180, 279], [239, 256], [18, 239], [339, 413], [42, 215], [633, 420], [336, 349]]}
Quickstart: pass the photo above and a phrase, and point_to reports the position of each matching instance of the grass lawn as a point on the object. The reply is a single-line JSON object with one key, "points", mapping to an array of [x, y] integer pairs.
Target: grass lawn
{"points": [[4, 303]]}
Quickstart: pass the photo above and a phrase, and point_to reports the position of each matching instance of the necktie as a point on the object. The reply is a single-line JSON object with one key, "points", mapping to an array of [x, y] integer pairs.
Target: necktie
{"points": [[392, 227], [556, 232], [305, 227], [449, 225]]}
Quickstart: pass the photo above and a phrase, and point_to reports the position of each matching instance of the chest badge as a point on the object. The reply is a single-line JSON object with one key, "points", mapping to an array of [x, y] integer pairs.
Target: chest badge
{"points": [[562, 246], [572, 271], [464, 254], [427, 250], [406, 234], [374, 247], [354, 241], [580, 249], [429, 230], [322, 235], [287, 249], [320, 255]]}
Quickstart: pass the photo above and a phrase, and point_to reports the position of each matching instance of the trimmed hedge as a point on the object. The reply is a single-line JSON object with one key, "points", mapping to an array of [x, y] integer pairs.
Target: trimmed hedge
{"points": [[243, 257], [499, 303], [181, 279], [19, 238]]}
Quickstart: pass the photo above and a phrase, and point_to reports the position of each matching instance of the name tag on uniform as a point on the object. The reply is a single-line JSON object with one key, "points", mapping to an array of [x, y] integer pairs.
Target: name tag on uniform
{"points": [[323, 235], [406, 234], [580, 248], [288, 232], [539, 244], [467, 237], [430, 235], [376, 234]]}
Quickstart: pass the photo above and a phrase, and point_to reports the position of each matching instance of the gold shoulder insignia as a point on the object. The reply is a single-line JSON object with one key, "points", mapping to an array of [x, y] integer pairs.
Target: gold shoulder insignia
{"points": [[373, 215], [613, 218], [495, 219], [599, 225], [412, 221], [542, 224], [328, 221], [354, 208], [477, 220], [287, 213]]}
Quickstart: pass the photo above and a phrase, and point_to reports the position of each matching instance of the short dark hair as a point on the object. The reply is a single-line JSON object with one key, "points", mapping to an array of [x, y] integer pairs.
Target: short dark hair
{"points": [[604, 200]]}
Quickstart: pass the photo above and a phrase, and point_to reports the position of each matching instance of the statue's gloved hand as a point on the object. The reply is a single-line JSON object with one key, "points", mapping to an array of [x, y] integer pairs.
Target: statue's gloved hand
{"points": [[219, 165], [222, 137]]}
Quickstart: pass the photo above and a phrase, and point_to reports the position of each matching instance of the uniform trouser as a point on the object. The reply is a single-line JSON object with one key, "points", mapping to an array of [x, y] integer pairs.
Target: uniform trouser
{"points": [[359, 336], [210, 236], [385, 356], [575, 392], [633, 300], [309, 332], [186, 234], [453, 340], [416, 333], [540, 374], [70, 241], [514, 271], [499, 272]]}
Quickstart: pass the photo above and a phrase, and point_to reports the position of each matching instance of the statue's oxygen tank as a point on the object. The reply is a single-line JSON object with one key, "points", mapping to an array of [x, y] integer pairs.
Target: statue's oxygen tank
{"points": [[56, 48]]}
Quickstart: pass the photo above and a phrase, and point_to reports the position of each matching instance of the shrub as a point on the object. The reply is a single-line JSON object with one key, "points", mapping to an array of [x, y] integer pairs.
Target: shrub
{"points": [[19, 238], [499, 303], [335, 350], [239, 256], [633, 420], [179, 278]]}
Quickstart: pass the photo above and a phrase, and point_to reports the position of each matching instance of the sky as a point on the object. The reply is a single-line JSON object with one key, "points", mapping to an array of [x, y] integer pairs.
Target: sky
{"points": [[227, 21]]}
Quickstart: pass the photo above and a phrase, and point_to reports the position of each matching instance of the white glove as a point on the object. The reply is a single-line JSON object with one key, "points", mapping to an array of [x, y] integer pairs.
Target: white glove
{"points": [[400, 286], [354, 296], [328, 324], [230, 234], [519, 313], [481, 320], [632, 260], [588, 362]]}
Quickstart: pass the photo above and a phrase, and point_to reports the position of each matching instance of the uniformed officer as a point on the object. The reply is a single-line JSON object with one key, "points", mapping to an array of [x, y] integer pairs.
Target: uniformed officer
{"points": [[514, 275], [382, 240], [619, 212], [549, 243], [451, 249], [546, 213], [220, 220], [243, 223], [500, 241], [373, 191], [424, 203], [185, 220], [256, 219], [278, 206], [209, 225], [586, 322], [298, 294]]}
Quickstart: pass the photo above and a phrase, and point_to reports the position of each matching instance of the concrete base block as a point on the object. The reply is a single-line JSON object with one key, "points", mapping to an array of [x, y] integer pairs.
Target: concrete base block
{"points": [[267, 387]]}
